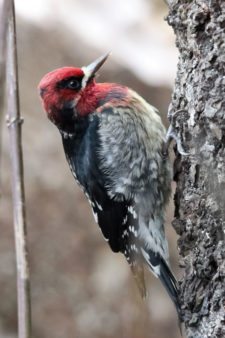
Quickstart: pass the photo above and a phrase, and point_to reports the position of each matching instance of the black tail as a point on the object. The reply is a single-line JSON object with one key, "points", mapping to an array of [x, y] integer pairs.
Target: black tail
{"points": [[161, 270], [169, 282]]}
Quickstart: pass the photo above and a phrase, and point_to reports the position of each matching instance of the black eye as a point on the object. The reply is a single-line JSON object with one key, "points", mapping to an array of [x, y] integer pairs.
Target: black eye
{"points": [[73, 84]]}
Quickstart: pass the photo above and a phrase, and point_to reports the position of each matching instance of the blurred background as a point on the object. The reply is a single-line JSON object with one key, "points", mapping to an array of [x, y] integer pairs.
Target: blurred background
{"points": [[79, 287]]}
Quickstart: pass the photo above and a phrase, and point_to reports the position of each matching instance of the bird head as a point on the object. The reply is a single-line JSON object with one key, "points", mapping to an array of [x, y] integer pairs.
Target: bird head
{"points": [[63, 90]]}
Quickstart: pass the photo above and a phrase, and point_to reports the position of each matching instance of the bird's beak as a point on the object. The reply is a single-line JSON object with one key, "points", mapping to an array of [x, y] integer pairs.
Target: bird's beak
{"points": [[91, 70]]}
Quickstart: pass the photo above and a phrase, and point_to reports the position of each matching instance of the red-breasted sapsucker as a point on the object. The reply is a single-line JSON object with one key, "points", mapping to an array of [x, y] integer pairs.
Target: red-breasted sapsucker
{"points": [[113, 141]]}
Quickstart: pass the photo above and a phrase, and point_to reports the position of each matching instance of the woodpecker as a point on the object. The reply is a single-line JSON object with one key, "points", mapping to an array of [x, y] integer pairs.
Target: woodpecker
{"points": [[113, 142]]}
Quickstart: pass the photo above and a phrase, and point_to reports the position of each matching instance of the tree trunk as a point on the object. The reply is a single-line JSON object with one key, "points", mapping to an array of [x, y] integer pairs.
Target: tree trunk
{"points": [[197, 116]]}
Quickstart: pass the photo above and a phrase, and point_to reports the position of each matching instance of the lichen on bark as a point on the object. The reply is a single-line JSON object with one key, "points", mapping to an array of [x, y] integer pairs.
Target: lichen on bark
{"points": [[197, 115]]}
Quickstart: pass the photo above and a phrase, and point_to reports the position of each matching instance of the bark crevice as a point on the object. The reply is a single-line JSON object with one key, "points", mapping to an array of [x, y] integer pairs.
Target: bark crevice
{"points": [[197, 117]]}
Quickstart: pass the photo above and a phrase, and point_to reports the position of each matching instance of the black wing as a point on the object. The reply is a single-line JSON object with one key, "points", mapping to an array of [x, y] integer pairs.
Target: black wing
{"points": [[82, 155], [109, 215]]}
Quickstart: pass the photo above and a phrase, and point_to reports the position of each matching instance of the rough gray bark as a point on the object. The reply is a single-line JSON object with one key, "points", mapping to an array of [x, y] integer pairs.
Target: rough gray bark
{"points": [[197, 115]]}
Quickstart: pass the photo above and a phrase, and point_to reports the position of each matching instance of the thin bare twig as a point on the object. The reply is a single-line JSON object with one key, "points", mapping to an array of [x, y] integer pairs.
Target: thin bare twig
{"points": [[14, 124], [4, 10]]}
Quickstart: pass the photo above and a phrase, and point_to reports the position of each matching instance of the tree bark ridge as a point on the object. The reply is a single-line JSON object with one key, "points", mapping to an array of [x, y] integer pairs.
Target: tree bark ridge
{"points": [[197, 117]]}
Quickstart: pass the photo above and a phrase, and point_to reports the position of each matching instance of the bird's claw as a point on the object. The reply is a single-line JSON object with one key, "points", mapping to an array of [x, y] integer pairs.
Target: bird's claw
{"points": [[171, 135]]}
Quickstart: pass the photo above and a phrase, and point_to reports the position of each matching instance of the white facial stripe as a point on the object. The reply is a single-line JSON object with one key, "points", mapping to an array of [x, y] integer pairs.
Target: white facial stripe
{"points": [[86, 77]]}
